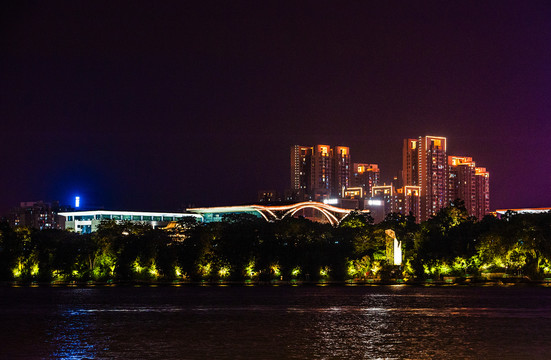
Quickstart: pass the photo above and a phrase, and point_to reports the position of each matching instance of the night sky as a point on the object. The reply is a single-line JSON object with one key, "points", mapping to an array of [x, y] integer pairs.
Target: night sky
{"points": [[161, 105]]}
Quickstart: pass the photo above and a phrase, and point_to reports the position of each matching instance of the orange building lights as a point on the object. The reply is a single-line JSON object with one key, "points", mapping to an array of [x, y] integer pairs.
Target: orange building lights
{"points": [[429, 181], [442, 178], [432, 174], [319, 172]]}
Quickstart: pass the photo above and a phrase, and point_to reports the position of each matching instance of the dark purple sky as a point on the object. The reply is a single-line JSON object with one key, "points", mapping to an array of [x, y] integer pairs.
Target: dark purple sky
{"points": [[159, 105]]}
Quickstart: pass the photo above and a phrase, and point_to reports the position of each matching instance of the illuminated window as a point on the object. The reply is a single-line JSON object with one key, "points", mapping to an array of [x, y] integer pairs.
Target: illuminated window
{"points": [[84, 217]]}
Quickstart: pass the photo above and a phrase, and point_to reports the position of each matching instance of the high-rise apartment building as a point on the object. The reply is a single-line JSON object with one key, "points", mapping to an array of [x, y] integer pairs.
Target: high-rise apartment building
{"points": [[341, 170], [425, 164], [319, 172], [38, 215], [365, 176], [386, 199], [409, 200], [461, 170], [482, 186], [301, 158], [442, 179], [470, 184], [410, 160], [432, 170]]}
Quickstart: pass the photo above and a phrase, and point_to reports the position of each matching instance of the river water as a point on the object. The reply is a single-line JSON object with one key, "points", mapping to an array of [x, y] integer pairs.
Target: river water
{"points": [[304, 322]]}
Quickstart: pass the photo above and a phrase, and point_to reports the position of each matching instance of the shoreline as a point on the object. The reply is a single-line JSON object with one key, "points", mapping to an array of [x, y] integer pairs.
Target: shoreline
{"points": [[480, 282]]}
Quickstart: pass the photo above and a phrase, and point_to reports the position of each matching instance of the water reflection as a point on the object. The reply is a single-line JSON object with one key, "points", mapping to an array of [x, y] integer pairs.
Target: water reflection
{"points": [[75, 333], [275, 323], [349, 331]]}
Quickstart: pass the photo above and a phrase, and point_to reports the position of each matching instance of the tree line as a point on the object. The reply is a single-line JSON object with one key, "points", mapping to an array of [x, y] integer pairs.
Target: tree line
{"points": [[247, 248]]}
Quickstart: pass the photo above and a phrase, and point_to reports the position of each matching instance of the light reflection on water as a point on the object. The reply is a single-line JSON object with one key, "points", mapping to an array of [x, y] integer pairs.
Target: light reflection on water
{"points": [[464, 312], [274, 323], [74, 332]]}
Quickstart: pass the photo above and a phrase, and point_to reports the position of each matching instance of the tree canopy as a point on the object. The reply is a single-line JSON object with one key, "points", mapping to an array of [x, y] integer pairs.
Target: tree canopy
{"points": [[247, 248]]}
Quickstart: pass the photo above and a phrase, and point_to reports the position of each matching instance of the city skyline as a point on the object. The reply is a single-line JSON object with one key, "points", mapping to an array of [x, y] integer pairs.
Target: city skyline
{"points": [[164, 106], [430, 179], [326, 173]]}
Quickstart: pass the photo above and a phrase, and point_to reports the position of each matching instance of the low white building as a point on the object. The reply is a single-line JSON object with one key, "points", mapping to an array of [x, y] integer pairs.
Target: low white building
{"points": [[84, 222], [501, 212]]}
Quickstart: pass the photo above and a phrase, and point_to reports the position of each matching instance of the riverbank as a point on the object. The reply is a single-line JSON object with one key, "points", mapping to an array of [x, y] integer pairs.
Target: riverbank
{"points": [[448, 281]]}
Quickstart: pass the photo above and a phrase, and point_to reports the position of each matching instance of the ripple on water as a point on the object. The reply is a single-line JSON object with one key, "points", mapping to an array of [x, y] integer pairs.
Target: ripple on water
{"points": [[275, 323]]}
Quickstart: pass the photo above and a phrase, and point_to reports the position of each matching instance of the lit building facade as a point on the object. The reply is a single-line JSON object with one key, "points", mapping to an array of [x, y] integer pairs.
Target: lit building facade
{"points": [[409, 201], [442, 178], [386, 194], [354, 193], [319, 172], [470, 184], [425, 164], [386, 199], [461, 172], [410, 160], [341, 172], [365, 176], [268, 196], [37, 215], [432, 174], [301, 157], [84, 222], [482, 185]]}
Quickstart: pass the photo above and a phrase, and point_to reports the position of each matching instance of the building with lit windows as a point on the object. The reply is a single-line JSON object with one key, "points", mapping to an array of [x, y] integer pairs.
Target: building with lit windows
{"points": [[268, 196], [365, 176], [301, 157], [84, 222], [386, 199], [482, 186], [425, 164], [432, 174], [37, 215], [356, 193], [442, 178], [461, 170], [410, 160], [341, 170], [383, 201], [409, 201], [470, 184], [319, 172]]}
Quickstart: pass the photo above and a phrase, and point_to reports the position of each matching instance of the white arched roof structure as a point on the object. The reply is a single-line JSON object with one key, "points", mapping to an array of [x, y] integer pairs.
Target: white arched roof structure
{"points": [[270, 213]]}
